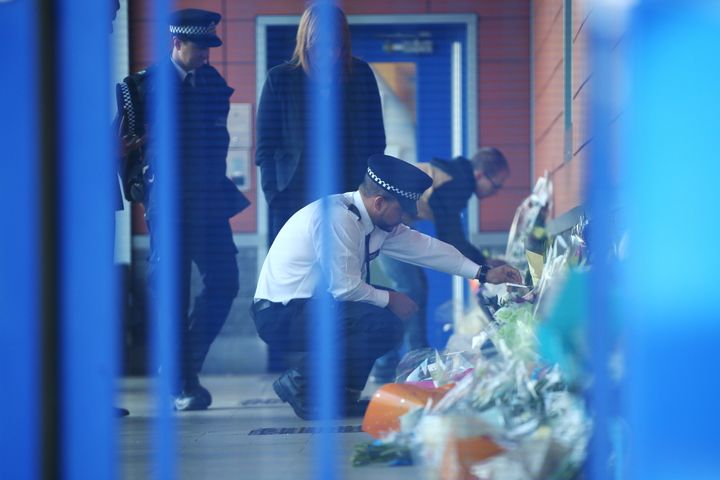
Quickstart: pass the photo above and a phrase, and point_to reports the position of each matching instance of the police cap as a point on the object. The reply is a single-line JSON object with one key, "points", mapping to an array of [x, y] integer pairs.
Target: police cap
{"points": [[402, 179], [195, 25]]}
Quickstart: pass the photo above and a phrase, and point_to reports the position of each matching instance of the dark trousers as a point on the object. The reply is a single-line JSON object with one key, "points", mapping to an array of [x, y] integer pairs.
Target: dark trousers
{"points": [[209, 245], [365, 332], [412, 281], [284, 206]]}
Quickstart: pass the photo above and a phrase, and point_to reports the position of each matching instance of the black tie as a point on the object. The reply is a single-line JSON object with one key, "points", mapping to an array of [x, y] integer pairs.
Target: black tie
{"points": [[367, 259], [188, 80]]}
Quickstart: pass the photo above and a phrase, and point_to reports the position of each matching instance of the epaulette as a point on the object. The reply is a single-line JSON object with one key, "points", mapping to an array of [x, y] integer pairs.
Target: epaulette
{"points": [[354, 210]]}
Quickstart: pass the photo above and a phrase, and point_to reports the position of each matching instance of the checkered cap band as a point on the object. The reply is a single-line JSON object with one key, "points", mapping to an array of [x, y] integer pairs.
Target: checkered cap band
{"points": [[391, 188], [128, 107], [193, 29]]}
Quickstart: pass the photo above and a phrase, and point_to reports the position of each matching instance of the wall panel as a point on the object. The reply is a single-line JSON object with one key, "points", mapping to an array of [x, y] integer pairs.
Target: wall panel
{"points": [[484, 8], [503, 39], [503, 71], [549, 99]]}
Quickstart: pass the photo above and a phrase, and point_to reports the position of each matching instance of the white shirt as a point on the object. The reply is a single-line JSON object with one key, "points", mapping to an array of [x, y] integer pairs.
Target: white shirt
{"points": [[295, 265]]}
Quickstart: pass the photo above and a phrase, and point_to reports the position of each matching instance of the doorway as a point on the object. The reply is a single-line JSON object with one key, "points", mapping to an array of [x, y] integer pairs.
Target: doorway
{"points": [[426, 71]]}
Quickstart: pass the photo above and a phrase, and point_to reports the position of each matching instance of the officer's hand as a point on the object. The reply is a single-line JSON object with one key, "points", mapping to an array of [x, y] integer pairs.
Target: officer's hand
{"points": [[503, 274], [401, 305], [495, 262]]}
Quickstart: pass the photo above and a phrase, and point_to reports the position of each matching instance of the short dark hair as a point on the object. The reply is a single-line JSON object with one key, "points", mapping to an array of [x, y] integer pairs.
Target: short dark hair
{"points": [[490, 161], [370, 188]]}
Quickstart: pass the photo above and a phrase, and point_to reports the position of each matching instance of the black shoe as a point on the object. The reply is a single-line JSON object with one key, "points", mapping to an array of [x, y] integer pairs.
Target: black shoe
{"points": [[203, 393], [197, 398], [287, 390]]}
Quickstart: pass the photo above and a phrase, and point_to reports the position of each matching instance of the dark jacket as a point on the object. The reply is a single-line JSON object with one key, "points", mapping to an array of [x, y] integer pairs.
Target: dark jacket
{"points": [[202, 144], [453, 185], [282, 120]]}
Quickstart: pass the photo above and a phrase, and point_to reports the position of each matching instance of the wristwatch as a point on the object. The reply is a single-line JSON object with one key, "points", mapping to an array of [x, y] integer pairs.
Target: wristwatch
{"points": [[482, 273]]}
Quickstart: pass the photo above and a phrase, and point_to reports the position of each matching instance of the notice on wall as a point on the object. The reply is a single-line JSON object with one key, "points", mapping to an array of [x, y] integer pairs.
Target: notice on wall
{"points": [[238, 167], [240, 125], [238, 159]]}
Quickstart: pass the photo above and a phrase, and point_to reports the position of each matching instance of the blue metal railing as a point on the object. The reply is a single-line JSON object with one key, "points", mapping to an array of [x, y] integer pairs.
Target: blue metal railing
{"points": [[670, 170], [600, 195], [165, 307], [323, 155], [87, 190], [19, 244]]}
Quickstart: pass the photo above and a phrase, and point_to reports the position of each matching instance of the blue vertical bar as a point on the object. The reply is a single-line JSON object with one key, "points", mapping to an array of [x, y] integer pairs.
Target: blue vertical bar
{"points": [[672, 314], [600, 200], [324, 155], [88, 189], [165, 309], [19, 269]]}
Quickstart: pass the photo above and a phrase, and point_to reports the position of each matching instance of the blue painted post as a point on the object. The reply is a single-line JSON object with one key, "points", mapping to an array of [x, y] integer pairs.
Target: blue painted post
{"points": [[671, 173], [324, 154], [19, 244], [600, 200], [165, 309], [88, 286]]}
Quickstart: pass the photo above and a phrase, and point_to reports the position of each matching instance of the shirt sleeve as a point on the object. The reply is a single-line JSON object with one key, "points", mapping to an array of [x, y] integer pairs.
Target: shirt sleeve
{"points": [[411, 246], [342, 257]]}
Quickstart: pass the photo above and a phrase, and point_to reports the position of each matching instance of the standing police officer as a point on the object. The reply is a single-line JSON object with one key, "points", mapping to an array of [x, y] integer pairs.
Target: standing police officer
{"points": [[207, 198]]}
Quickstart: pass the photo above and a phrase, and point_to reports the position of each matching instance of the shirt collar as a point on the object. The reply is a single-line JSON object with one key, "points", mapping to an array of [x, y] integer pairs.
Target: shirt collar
{"points": [[368, 226], [182, 73]]}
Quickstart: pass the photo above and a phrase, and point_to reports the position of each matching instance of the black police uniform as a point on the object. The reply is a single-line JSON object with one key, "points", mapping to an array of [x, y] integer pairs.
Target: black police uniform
{"points": [[207, 198]]}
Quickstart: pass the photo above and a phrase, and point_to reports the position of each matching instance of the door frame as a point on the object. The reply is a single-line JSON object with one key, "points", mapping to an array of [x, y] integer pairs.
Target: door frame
{"points": [[469, 121]]}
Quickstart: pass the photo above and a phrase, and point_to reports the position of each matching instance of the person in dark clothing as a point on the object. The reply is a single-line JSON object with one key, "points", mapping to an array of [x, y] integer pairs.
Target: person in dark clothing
{"points": [[454, 183], [283, 122], [207, 198]]}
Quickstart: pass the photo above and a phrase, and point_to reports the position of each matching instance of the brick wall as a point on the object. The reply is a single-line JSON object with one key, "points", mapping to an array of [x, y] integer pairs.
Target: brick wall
{"points": [[567, 169], [503, 75]]}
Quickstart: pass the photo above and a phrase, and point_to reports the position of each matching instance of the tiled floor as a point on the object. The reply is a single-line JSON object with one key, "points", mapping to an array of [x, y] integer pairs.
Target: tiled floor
{"points": [[244, 435]]}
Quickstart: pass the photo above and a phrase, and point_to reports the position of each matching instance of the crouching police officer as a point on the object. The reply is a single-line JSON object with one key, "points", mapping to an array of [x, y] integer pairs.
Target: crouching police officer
{"points": [[300, 266]]}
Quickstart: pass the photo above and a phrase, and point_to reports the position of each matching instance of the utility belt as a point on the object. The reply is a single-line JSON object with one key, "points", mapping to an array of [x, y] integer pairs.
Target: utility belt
{"points": [[262, 304]]}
